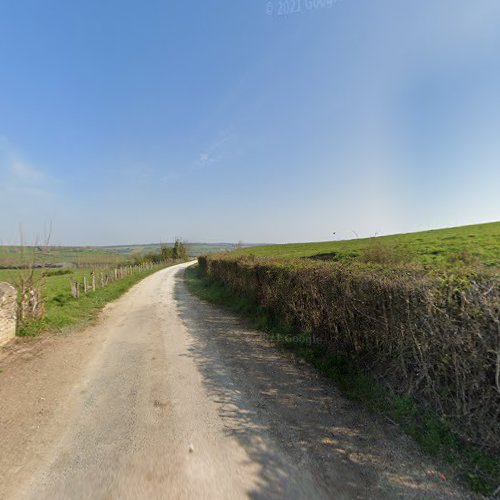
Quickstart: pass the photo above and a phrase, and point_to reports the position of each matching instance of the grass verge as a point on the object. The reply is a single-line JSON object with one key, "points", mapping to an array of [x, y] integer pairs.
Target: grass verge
{"points": [[475, 468], [63, 311]]}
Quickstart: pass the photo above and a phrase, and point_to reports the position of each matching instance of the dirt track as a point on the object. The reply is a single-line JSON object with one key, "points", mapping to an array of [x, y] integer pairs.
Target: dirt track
{"points": [[169, 397]]}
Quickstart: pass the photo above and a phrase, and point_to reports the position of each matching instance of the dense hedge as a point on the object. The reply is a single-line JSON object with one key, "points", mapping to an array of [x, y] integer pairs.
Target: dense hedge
{"points": [[435, 337]]}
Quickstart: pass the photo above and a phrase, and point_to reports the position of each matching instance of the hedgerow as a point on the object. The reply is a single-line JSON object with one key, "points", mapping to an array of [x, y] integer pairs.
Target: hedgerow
{"points": [[434, 337]]}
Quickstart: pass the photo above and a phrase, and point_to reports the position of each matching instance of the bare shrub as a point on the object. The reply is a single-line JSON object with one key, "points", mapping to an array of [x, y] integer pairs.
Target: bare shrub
{"points": [[435, 337], [379, 252], [29, 281]]}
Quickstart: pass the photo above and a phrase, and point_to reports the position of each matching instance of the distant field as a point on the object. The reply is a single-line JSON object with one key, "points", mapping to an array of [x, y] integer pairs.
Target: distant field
{"points": [[479, 243], [80, 256], [11, 256], [194, 249]]}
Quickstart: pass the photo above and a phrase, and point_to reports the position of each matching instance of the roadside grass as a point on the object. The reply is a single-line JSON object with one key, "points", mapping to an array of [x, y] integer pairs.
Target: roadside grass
{"points": [[470, 245], [62, 310], [474, 467]]}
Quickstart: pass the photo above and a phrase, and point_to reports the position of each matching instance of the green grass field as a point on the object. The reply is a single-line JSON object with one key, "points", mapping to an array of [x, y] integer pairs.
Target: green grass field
{"points": [[479, 243], [80, 256], [62, 310]]}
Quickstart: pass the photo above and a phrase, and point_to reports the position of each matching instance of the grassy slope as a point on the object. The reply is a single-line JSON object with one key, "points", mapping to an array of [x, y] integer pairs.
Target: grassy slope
{"points": [[476, 469], [437, 247], [62, 310]]}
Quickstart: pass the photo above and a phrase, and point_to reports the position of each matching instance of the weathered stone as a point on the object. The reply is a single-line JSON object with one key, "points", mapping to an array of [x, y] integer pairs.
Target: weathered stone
{"points": [[8, 307]]}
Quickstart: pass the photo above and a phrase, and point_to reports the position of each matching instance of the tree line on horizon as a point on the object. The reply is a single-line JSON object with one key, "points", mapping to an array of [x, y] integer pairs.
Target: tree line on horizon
{"points": [[179, 251]]}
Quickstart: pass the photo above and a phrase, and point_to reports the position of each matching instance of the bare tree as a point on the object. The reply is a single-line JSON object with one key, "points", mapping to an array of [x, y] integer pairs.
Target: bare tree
{"points": [[30, 280]]}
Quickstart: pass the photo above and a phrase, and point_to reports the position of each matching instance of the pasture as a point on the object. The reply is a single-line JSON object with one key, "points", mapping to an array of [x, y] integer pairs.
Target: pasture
{"points": [[13, 256], [477, 244]]}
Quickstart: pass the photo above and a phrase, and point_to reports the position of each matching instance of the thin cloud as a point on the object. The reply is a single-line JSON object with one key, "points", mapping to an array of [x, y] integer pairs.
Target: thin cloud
{"points": [[26, 173], [170, 176], [216, 151], [19, 177], [26, 192], [211, 156]]}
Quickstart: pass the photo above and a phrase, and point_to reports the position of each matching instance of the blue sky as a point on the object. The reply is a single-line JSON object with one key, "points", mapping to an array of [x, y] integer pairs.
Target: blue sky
{"points": [[128, 122]]}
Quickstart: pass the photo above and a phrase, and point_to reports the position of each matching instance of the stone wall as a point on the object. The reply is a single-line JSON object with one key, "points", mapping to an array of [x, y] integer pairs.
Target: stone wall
{"points": [[8, 307]]}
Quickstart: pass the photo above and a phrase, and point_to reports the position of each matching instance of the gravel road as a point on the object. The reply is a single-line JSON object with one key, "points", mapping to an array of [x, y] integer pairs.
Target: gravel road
{"points": [[170, 397]]}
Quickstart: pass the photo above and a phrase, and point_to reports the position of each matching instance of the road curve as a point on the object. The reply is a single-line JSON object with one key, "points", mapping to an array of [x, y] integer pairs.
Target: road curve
{"points": [[182, 400]]}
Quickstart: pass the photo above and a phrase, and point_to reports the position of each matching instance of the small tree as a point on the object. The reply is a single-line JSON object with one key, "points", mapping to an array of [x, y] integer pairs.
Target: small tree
{"points": [[180, 250], [166, 253], [28, 282]]}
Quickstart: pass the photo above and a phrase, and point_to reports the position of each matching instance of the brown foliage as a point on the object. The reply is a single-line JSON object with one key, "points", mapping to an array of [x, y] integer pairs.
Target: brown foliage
{"points": [[433, 337]]}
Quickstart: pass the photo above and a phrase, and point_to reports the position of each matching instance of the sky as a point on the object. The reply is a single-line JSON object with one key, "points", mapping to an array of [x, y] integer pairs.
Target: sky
{"points": [[127, 121]]}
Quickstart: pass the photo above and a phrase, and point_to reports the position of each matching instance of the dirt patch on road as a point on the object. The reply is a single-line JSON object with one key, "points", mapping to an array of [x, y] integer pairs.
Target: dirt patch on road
{"points": [[37, 376]]}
